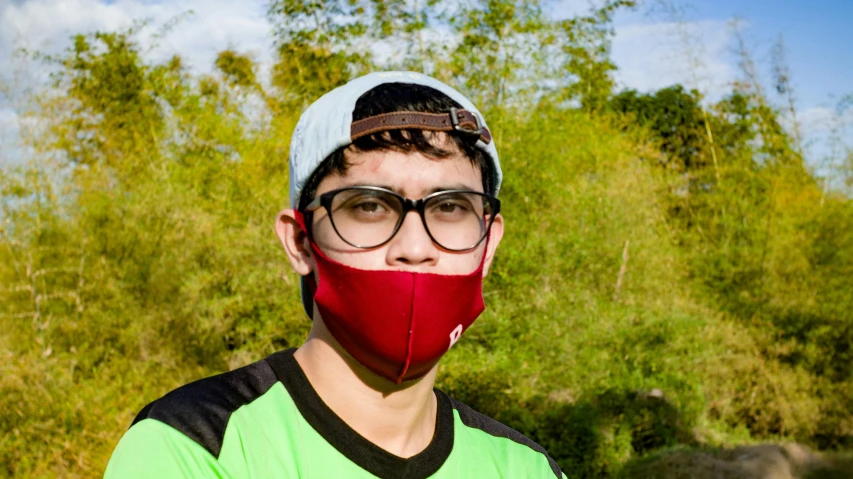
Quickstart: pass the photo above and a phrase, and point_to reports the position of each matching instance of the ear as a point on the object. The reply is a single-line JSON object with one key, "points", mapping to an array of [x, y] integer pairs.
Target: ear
{"points": [[295, 242], [496, 233]]}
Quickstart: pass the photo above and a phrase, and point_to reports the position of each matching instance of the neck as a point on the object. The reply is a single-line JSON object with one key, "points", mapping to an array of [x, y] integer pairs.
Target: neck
{"points": [[398, 418]]}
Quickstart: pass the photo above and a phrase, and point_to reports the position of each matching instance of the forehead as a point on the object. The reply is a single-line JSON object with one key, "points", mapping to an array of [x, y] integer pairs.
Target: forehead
{"points": [[411, 174]]}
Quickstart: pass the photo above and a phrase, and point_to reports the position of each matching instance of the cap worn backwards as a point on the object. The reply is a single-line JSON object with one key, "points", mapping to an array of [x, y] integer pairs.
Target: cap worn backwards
{"points": [[327, 125]]}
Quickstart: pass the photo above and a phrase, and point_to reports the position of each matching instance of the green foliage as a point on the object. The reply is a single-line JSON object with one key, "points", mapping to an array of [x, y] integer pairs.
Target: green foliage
{"points": [[116, 291], [587, 50], [496, 41], [500, 52], [317, 50], [755, 229], [672, 277], [674, 116], [238, 69], [113, 112]]}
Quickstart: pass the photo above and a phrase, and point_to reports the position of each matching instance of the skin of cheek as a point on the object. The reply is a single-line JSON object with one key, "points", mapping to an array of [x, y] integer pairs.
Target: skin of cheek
{"points": [[414, 176]]}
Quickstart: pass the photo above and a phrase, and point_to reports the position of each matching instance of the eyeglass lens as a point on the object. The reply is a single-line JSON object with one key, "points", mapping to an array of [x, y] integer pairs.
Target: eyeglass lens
{"points": [[367, 218]]}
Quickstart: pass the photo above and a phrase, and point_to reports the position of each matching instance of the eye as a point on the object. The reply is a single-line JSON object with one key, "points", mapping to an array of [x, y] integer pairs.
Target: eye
{"points": [[369, 206], [366, 206], [451, 206]]}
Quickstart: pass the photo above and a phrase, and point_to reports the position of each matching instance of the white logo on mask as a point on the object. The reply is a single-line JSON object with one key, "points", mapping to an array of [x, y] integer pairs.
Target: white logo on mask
{"points": [[455, 335]]}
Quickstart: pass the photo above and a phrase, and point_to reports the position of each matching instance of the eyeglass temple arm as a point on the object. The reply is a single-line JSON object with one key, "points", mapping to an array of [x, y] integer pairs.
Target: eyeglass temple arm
{"points": [[313, 205]]}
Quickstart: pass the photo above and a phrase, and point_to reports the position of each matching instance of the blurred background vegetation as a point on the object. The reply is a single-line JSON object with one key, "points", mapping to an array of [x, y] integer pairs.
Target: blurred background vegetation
{"points": [[675, 281]]}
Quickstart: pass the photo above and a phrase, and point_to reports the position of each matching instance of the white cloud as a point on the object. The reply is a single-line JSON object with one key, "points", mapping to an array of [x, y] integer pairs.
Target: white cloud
{"points": [[9, 134], [213, 26], [823, 120], [563, 9], [8, 122], [826, 133], [651, 56]]}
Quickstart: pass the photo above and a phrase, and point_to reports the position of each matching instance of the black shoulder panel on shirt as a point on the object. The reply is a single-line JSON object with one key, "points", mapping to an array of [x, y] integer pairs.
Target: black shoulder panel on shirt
{"points": [[201, 409], [474, 419]]}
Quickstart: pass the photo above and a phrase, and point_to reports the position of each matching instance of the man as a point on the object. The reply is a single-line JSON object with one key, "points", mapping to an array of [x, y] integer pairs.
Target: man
{"points": [[393, 176]]}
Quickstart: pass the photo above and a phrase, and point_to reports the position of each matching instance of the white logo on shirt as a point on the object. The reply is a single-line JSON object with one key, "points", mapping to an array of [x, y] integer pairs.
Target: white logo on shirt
{"points": [[455, 335]]}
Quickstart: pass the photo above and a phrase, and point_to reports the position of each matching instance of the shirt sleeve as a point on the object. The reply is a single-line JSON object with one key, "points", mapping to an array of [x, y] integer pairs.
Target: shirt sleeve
{"points": [[152, 449]]}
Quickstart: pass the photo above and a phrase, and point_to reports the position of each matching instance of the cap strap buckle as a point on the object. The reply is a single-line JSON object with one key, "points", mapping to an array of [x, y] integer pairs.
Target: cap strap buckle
{"points": [[457, 120]]}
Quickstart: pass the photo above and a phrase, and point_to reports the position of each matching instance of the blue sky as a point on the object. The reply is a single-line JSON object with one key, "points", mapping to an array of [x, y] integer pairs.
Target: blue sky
{"points": [[818, 36], [818, 40], [648, 47]]}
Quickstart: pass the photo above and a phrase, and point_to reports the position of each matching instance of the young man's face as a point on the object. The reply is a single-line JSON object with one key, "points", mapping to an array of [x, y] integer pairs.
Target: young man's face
{"points": [[414, 176]]}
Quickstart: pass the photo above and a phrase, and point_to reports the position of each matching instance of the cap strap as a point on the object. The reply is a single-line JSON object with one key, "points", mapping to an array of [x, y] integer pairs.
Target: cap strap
{"points": [[465, 121]]}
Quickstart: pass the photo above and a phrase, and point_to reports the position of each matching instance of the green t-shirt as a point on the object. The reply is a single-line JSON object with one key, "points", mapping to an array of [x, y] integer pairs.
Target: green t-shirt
{"points": [[265, 421]]}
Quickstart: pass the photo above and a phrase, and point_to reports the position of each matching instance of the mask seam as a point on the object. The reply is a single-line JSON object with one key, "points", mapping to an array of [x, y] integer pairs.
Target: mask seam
{"points": [[410, 339]]}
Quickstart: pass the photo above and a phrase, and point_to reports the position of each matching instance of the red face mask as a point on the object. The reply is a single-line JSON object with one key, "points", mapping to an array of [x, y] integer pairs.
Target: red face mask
{"points": [[398, 324]]}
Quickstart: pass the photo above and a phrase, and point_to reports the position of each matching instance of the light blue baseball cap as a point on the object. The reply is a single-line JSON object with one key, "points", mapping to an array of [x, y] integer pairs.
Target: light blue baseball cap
{"points": [[327, 125]]}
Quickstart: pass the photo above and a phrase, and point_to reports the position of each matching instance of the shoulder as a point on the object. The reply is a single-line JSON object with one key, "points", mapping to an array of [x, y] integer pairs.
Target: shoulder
{"points": [[153, 449], [494, 429], [201, 410]]}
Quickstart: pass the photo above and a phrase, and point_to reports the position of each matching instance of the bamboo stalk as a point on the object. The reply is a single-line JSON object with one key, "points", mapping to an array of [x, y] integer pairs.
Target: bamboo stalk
{"points": [[622, 270]]}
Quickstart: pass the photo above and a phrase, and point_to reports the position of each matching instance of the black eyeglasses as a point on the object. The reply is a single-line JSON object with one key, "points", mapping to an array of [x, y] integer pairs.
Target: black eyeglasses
{"points": [[369, 216]]}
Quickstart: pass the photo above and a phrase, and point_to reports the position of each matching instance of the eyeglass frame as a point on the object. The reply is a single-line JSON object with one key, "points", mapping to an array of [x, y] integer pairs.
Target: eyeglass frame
{"points": [[325, 201]]}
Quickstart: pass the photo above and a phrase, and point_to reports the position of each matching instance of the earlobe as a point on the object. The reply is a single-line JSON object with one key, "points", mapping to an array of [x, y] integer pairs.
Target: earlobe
{"points": [[496, 233], [295, 242]]}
